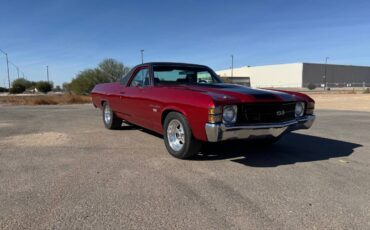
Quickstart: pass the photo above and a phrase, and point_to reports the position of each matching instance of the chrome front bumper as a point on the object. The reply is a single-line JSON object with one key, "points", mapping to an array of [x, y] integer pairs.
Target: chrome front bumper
{"points": [[221, 132]]}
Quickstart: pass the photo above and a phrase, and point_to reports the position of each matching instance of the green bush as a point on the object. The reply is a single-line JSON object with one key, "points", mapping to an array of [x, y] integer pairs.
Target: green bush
{"points": [[20, 85], [17, 88], [311, 86], [44, 86], [3, 90]]}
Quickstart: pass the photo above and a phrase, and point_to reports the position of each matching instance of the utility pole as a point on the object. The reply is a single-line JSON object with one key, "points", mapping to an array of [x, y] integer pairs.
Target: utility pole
{"points": [[47, 72], [17, 71], [7, 66], [232, 65], [325, 77], [142, 56]]}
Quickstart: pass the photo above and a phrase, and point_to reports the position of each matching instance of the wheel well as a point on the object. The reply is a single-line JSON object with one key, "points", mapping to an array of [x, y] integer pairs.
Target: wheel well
{"points": [[102, 102], [166, 112]]}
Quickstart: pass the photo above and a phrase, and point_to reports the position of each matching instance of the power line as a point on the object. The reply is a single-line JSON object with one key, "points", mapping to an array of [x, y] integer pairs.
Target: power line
{"points": [[16, 67], [7, 67]]}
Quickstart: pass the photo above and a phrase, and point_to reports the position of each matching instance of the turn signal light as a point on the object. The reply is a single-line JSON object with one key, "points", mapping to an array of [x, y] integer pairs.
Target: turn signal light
{"points": [[215, 114], [310, 108], [212, 118], [215, 110]]}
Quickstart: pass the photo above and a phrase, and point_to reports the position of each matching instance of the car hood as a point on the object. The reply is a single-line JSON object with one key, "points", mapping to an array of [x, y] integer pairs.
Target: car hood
{"points": [[238, 93]]}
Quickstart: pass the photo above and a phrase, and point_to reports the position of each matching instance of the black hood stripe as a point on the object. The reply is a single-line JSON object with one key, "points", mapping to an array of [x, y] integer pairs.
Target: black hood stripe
{"points": [[256, 93]]}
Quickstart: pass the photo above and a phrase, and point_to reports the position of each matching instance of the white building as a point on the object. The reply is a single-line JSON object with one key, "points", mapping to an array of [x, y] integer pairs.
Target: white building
{"points": [[302, 74]]}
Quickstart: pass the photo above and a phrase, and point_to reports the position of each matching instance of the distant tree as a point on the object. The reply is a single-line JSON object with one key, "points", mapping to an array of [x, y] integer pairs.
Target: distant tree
{"points": [[86, 80], [65, 87], [44, 86], [31, 85], [114, 69], [109, 70], [20, 85], [57, 88]]}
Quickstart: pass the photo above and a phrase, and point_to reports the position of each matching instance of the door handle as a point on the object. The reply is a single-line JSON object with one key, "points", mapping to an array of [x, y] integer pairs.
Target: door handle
{"points": [[122, 92]]}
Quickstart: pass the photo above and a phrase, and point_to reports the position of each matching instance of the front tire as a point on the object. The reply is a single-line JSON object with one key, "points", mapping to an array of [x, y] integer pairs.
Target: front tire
{"points": [[178, 137], [110, 120]]}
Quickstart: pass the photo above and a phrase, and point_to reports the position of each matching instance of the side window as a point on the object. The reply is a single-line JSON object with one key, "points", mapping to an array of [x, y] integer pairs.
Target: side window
{"points": [[141, 78], [204, 77], [126, 78]]}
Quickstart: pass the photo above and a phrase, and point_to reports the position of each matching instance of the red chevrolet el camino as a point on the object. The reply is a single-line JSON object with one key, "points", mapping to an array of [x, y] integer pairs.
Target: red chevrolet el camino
{"points": [[189, 104]]}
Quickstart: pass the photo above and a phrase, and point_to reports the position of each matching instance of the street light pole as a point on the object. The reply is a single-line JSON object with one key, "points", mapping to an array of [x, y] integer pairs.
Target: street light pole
{"points": [[47, 72], [142, 56], [325, 77], [232, 65], [7, 68], [17, 71]]}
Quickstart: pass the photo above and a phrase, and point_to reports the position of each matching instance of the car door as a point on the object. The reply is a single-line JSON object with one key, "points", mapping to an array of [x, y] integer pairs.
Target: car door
{"points": [[134, 98]]}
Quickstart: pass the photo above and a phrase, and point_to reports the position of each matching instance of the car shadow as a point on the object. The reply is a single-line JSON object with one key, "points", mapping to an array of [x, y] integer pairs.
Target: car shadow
{"points": [[291, 149], [128, 126]]}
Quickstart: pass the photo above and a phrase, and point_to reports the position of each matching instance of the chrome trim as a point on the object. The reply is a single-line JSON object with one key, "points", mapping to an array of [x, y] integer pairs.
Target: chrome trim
{"points": [[221, 132]]}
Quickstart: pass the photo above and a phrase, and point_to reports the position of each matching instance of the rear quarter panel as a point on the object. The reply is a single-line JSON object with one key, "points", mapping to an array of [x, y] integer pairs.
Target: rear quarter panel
{"points": [[105, 92]]}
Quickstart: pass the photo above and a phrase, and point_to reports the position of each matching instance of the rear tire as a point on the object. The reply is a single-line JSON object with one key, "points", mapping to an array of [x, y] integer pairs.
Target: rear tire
{"points": [[178, 137], [110, 120]]}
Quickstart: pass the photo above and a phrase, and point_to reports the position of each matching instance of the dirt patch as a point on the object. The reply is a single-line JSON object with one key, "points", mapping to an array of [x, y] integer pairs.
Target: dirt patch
{"points": [[340, 101], [38, 139], [54, 99], [3, 124]]}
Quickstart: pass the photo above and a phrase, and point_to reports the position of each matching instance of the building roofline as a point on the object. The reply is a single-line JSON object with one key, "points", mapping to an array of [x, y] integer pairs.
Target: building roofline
{"points": [[309, 63], [312, 63]]}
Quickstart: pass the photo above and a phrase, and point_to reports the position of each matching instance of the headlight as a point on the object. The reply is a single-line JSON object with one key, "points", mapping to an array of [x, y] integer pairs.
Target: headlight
{"points": [[299, 109], [229, 114]]}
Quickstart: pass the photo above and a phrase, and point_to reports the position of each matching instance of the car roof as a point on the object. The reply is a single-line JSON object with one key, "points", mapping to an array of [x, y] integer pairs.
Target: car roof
{"points": [[171, 64]]}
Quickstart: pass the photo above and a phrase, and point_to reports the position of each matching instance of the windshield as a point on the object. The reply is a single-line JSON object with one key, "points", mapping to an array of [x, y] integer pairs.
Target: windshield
{"points": [[184, 75]]}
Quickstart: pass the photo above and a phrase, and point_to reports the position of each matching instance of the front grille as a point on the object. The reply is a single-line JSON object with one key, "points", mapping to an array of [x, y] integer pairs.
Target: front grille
{"points": [[266, 112]]}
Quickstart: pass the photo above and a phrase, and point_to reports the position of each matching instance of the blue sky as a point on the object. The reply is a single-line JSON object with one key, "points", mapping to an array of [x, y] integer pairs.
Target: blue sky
{"points": [[71, 35]]}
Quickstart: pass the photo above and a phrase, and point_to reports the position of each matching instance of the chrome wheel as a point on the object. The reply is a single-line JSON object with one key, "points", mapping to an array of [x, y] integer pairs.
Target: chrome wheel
{"points": [[176, 135], [107, 114]]}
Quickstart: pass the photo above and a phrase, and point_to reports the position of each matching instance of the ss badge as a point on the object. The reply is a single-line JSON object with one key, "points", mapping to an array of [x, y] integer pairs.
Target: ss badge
{"points": [[280, 113]]}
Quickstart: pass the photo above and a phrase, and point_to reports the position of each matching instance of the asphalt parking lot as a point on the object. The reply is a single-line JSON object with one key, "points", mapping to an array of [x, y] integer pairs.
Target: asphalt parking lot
{"points": [[61, 169]]}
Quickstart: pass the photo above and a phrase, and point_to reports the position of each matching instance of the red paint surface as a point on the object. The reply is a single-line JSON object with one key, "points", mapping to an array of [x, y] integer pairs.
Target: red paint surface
{"points": [[138, 104]]}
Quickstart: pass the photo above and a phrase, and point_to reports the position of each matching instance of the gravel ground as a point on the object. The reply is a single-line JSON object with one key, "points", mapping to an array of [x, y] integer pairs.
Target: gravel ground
{"points": [[61, 169]]}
